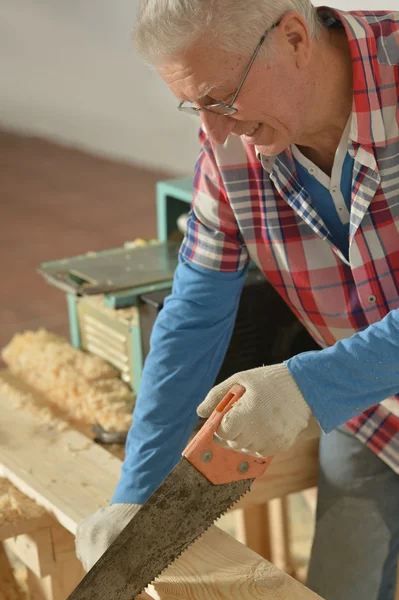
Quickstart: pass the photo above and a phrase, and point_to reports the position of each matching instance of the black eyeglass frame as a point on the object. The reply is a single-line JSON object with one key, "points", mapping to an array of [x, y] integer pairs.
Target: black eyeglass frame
{"points": [[221, 108]]}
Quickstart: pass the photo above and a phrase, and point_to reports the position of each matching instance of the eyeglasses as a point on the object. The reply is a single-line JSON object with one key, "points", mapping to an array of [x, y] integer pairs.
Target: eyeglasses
{"points": [[221, 108]]}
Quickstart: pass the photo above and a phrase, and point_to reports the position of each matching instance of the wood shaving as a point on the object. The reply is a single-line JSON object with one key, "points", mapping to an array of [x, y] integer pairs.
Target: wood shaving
{"points": [[84, 386], [56, 348]]}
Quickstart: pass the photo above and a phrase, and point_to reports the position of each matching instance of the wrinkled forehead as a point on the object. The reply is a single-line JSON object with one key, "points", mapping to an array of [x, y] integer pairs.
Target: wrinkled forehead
{"points": [[200, 71]]}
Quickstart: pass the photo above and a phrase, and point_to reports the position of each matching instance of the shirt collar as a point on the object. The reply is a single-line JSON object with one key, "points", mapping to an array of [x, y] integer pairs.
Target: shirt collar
{"points": [[267, 161], [367, 125]]}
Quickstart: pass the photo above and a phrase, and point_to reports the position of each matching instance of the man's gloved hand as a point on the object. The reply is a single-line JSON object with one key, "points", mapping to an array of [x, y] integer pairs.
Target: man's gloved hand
{"points": [[97, 532], [268, 418]]}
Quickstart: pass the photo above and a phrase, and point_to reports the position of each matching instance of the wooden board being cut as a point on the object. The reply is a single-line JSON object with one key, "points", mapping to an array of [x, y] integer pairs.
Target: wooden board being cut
{"points": [[217, 567], [24, 396], [63, 471]]}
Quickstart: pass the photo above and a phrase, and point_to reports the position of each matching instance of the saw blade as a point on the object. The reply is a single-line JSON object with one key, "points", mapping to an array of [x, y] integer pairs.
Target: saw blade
{"points": [[177, 513]]}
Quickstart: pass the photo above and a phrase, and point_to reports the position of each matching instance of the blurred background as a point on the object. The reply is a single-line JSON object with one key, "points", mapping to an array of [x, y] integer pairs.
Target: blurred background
{"points": [[86, 130]]}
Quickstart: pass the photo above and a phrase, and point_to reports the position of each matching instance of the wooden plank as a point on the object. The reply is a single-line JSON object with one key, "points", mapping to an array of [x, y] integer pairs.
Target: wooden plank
{"points": [[12, 387], [217, 567], [71, 476], [63, 471]]}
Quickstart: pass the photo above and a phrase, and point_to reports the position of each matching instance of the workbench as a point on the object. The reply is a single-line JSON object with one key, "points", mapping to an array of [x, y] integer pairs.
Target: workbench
{"points": [[70, 476]]}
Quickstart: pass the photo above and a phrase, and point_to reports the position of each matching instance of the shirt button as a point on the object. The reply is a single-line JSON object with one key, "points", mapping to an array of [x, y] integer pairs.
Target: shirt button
{"points": [[340, 208], [312, 171], [372, 299], [334, 190]]}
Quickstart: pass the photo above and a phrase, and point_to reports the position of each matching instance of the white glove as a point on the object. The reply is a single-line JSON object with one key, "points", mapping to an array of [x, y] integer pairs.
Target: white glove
{"points": [[268, 418], [97, 532]]}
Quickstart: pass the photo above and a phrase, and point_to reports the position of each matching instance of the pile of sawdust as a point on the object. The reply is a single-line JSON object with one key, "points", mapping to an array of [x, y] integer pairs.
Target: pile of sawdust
{"points": [[84, 386]]}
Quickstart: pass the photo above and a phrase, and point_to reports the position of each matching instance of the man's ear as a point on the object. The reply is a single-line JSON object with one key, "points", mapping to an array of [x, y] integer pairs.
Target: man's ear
{"points": [[296, 38]]}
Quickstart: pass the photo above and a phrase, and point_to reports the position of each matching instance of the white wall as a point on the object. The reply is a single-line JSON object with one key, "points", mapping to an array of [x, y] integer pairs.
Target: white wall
{"points": [[68, 72]]}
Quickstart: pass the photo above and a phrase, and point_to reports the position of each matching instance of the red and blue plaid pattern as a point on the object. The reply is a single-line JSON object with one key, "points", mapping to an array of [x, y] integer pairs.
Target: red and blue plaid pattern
{"points": [[250, 206]]}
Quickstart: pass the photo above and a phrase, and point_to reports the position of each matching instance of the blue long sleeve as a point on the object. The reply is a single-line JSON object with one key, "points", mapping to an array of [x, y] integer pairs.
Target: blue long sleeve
{"points": [[342, 381], [188, 344]]}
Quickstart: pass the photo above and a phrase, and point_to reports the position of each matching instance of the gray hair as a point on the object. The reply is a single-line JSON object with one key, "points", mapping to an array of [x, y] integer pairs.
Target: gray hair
{"points": [[167, 27]]}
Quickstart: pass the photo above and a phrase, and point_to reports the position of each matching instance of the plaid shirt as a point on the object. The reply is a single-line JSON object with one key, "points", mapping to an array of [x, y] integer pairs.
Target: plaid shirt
{"points": [[246, 205]]}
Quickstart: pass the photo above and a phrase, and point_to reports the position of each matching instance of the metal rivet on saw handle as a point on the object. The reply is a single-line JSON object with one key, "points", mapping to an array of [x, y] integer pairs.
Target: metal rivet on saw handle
{"points": [[207, 456]]}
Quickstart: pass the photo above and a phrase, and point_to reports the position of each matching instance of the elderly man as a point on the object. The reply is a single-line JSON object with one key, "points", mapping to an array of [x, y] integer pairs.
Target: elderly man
{"points": [[299, 170]]}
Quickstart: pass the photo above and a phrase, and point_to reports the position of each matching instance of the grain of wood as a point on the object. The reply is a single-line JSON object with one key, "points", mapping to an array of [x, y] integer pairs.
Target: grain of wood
{"points": [[22, 395], [63, 471], [217, 567]]}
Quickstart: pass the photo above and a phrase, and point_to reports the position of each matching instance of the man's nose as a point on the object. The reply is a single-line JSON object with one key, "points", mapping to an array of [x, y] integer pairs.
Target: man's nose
{"points": [[217, 127]]}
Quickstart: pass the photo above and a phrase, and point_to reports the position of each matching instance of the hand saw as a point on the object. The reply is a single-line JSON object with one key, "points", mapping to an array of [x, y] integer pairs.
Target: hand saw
{"points": [[206, 481]]}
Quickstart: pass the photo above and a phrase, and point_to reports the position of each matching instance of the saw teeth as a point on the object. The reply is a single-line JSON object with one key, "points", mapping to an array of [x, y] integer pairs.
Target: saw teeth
{"points": [[194, 540]]}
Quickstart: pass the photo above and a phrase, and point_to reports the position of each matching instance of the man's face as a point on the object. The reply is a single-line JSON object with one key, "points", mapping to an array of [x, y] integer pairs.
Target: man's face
{"points": [[270, 106]]}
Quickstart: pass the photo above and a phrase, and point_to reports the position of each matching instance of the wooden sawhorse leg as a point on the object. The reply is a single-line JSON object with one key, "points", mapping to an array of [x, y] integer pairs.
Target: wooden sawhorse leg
{"points": [[265, 529], [9, 589], [49, 556]]}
